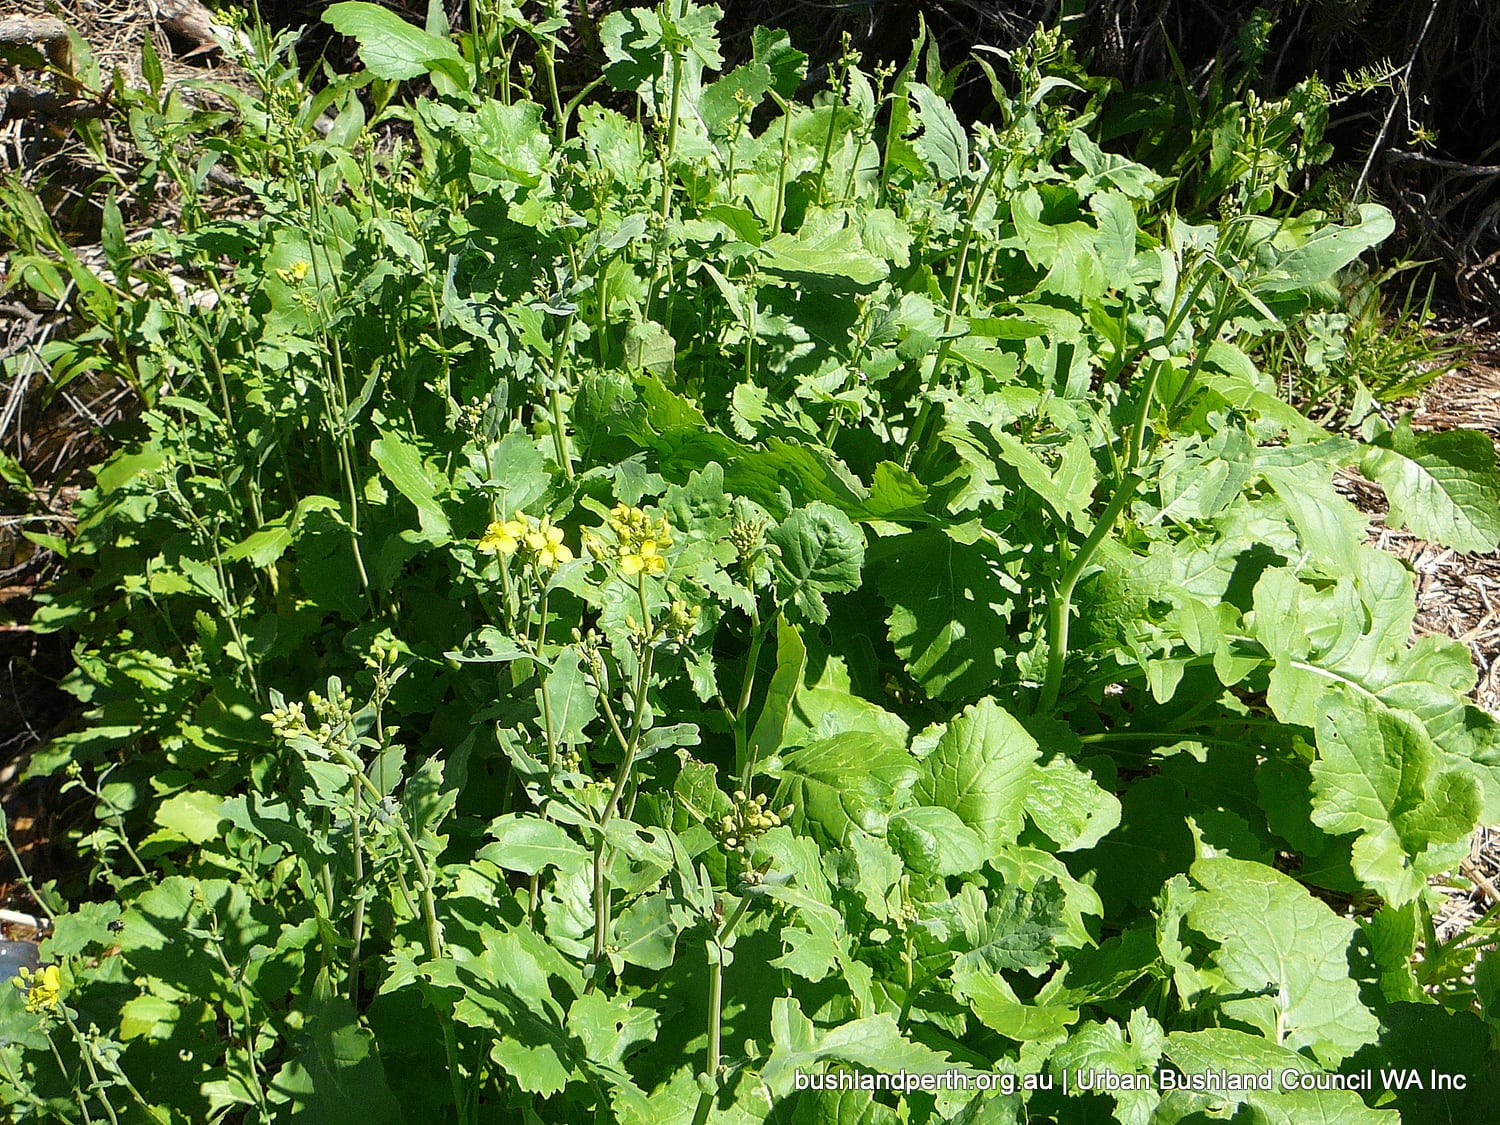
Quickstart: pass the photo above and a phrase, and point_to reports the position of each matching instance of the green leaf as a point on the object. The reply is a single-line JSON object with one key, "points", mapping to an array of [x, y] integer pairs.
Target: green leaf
{"points": [[822, 712], [999, 1009], [1222, 1050], [825, 254], [1105, 1048], [982, 770], [1377, 775], [508, 144], [771, 726], [1067, 486], [874, 1043], [949, 603], [935, 841], [402, 465], [895, 494], [338, 1078], [1018, 932], [529, 844], [1430, 1040], [1441, 485], [1328, 249], [150, 1017], [819, 551], [943, 144], [1287, 951], [568, 704], [1069, 807], [262, 547], [192, 816], [389, 46], [644, 934], [1117, 234], [488, 645], [844, 782]]}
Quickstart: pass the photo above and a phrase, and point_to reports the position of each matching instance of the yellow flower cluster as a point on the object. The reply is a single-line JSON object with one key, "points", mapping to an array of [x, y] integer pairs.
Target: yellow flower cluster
{"points": [[296, 274], [541, 540], [43, 988], [639, 541]]}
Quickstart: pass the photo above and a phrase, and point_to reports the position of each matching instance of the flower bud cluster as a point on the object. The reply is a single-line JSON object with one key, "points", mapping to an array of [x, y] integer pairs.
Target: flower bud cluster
{"points": [[333, 715], [748, 819], [682, 619]]}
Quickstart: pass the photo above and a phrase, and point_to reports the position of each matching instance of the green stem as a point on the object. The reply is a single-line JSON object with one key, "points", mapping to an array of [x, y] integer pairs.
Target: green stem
{"points": [[424, 873], [601, 897], [559, 436], [747, 687], [786, 141], [239, 984], [917, 436], [716, 1011], [1060, 609], [96, 1086], [62, 1069], [21, 867], [455, 1075], [669, 152], [358, 927]]}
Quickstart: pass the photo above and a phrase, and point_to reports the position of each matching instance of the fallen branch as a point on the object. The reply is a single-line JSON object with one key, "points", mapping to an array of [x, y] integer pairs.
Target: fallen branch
{"points": [[1451, 165], [51, 34], [32, 101]]}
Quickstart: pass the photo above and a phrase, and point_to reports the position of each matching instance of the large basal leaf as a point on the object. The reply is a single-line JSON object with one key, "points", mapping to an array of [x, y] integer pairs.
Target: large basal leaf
{"points": [[827, 253], [948, 606], [1441, 485], [338, 1077], [1221, 1050], [1426, 1040], [1069, 806], [1018, 932], [401, 463], [982, 770], [1284, 957], [844, 782], [529, 844], [935, 841], [1377, 775]]}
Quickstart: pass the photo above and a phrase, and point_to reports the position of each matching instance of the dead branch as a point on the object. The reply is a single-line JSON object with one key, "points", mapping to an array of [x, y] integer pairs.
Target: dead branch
{"points": [[49, 33], [32, 101]]}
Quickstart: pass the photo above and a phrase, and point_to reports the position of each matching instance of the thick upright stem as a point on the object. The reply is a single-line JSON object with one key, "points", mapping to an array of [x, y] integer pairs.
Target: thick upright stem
{"points": [[1059, 612]]}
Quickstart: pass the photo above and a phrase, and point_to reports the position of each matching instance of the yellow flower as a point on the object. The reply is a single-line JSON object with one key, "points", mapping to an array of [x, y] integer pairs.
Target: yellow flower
{"points": [[646, 559], [547, 542], [43, 988], [296, 274], [503, 536]]}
